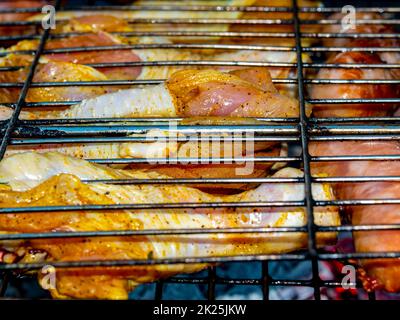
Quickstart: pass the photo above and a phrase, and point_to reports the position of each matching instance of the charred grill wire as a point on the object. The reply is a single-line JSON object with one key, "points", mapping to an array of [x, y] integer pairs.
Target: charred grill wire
{"points": [[297, 130]]}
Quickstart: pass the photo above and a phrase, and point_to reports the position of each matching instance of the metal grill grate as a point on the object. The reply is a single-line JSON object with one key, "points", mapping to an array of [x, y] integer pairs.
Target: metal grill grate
{"points": [[33, 132]]}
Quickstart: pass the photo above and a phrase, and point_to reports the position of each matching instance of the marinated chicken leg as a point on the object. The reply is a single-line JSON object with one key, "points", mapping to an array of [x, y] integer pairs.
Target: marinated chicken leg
{"points": [[54, 179], [186, 93], [385, 271]]}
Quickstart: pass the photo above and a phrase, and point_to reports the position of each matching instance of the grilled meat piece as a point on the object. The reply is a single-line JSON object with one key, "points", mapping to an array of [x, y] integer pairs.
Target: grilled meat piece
{"points": [[353, 91], [20, 16], [208, 89]]}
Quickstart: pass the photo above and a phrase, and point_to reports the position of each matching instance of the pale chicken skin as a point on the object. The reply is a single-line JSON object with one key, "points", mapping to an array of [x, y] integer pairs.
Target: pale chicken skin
{"points": [[84, 21], [353, 91], [95, 37], [384, 273], [54, 179]]}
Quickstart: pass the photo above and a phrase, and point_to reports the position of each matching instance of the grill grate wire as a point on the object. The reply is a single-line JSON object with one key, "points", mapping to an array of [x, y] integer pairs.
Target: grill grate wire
{"points": [[24, 132]]}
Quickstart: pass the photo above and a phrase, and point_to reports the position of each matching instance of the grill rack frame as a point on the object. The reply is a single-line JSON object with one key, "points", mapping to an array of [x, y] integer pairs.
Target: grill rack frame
{"points": [[303, 130]]}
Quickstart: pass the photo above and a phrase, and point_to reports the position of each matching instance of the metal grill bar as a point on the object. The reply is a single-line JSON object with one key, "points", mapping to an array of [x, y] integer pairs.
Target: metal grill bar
{"points": [[211, 283], [95, 83], [303, 123], [162, 46], [141, 121], [350, 65], [356, 138], [231, 34], [239, 160], [118, 129], [355, 119], [19, 37], [228, 281], [159, 290], [189, 8], [357, 158], [189, 181]]}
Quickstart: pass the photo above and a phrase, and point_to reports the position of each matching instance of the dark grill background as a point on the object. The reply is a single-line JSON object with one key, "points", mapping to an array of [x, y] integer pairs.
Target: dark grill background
{"points": [[267, 276]]}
